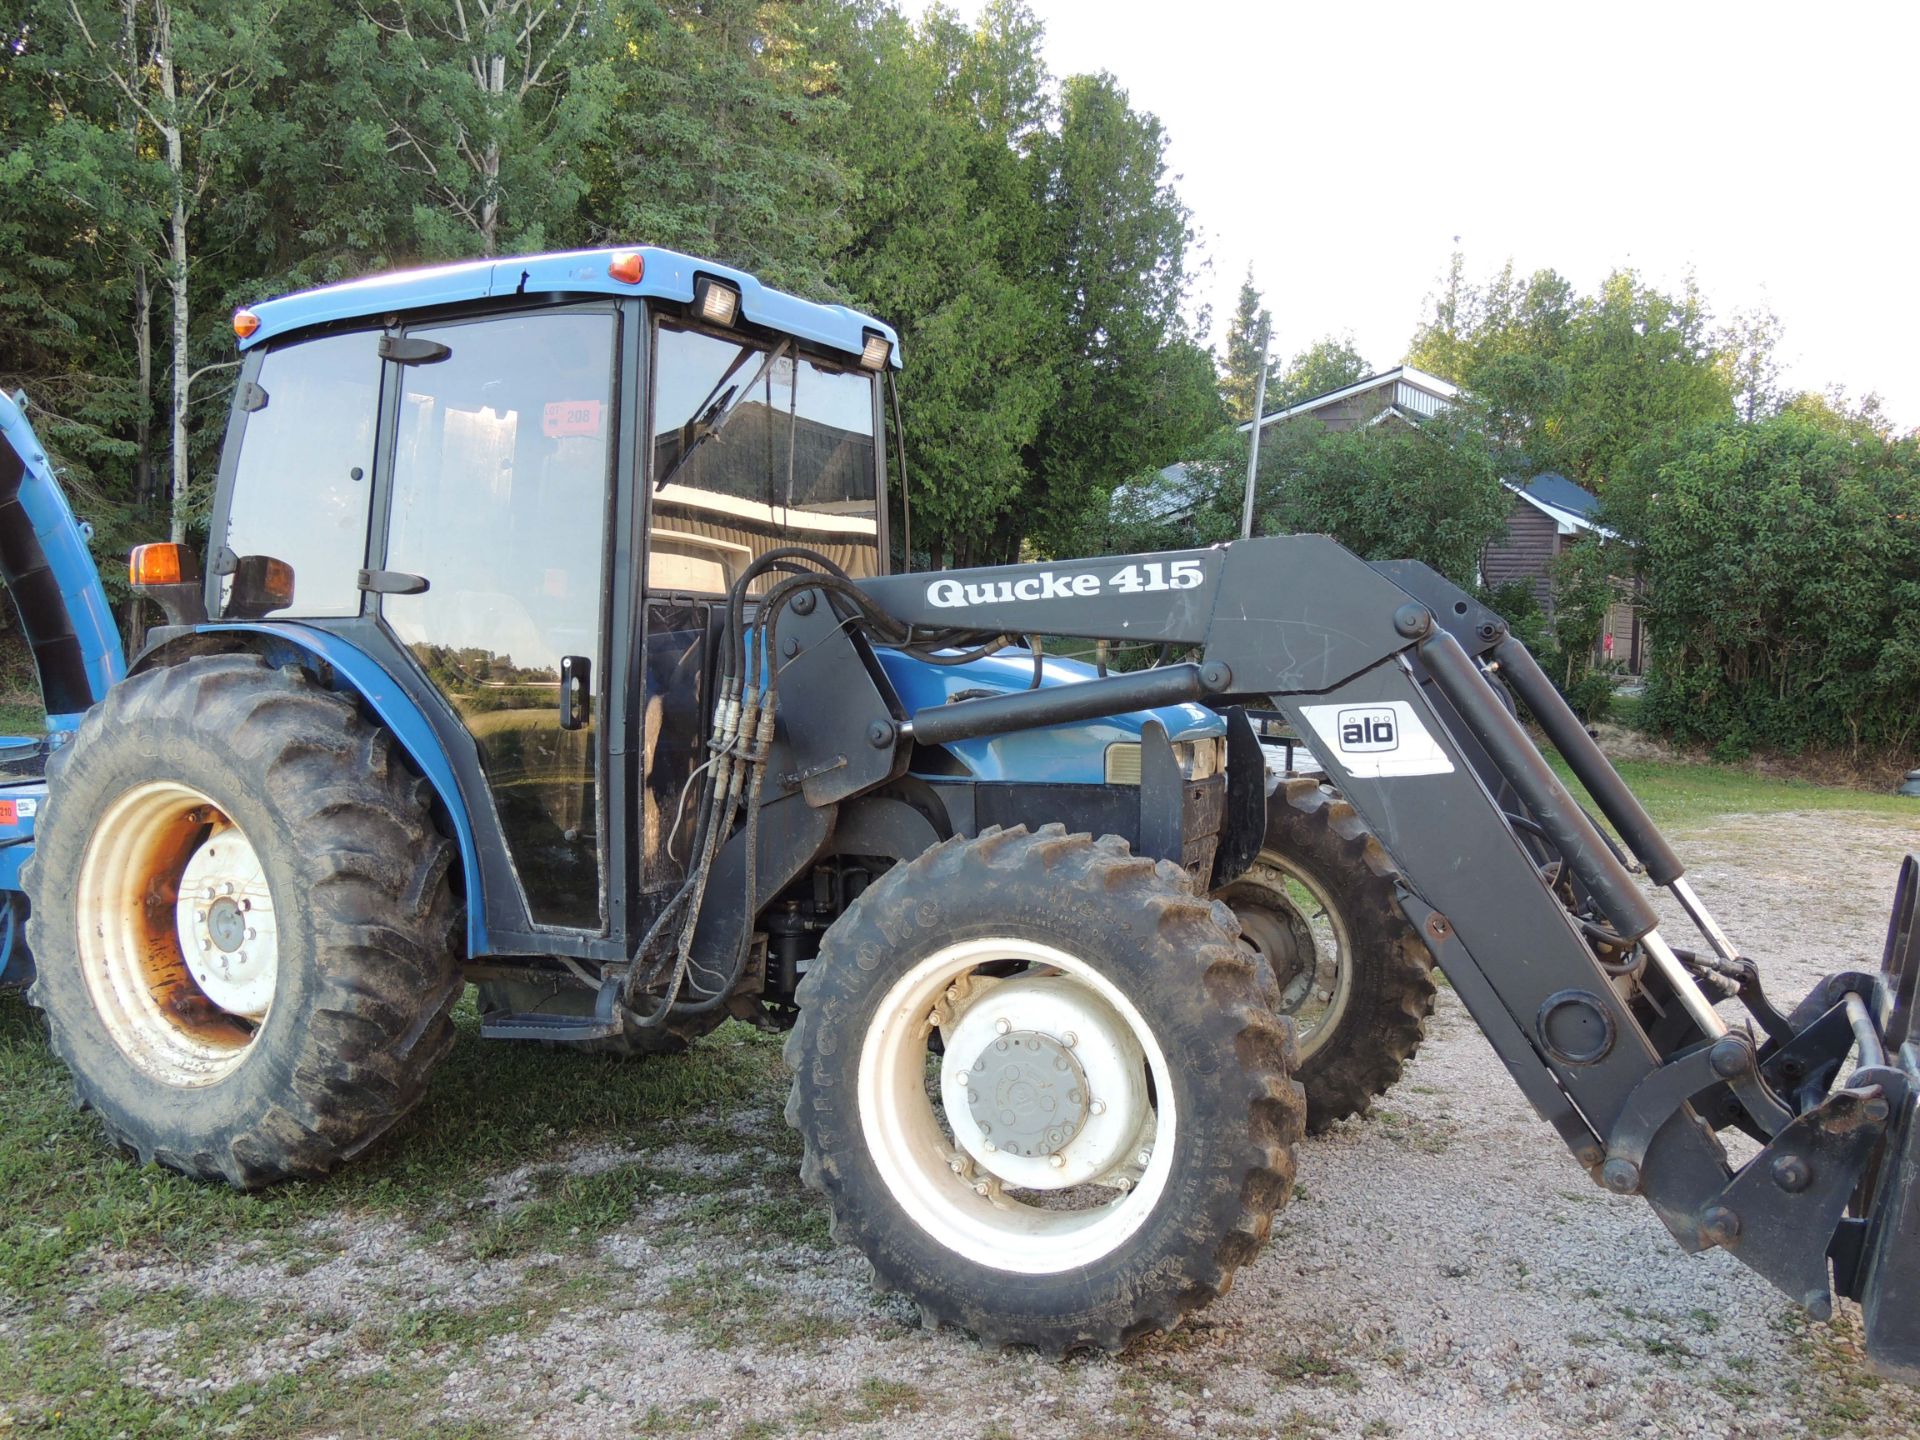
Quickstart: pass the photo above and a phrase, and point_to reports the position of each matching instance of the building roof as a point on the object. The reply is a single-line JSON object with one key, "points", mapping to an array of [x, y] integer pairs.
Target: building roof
{"points": [[665, 274], [1557, 490], [1568, 505], [1424, 394]]}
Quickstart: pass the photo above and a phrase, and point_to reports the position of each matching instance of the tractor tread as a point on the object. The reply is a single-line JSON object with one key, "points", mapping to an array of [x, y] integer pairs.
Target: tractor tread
{"points": [[378, 969], [1201, 980], [1386, 1014]]}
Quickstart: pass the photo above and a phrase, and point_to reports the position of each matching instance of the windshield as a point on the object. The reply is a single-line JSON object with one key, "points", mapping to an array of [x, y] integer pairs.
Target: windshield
{"points": [[755, 447]]}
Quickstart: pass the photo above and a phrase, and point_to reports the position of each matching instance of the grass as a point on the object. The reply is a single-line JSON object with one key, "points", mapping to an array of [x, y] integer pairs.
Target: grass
{"points": [[68, 1202], [22, 718], [1678, 793], [491, 1107]]}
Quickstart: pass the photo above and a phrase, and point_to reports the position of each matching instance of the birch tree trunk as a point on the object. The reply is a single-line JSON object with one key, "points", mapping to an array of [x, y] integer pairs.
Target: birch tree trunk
{"points": [[176, 258]]}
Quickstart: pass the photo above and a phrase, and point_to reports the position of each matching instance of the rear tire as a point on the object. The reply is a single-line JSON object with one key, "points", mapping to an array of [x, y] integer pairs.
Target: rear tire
{"points": [[311, 1025], [560, 997], [1321, 905], [1122, 1191]]}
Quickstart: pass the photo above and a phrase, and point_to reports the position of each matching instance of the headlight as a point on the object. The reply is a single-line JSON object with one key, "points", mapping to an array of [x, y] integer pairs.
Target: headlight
{"points": [[1199, 760]]}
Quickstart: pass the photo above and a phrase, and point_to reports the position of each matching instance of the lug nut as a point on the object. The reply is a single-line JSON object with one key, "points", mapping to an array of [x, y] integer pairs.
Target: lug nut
{"points": [[1145, 1156], [980, 1187], [988, 1146], [1069, 1039], [1058, 1162], [956, 1164], [1003, 1025], [1096, 1107]]}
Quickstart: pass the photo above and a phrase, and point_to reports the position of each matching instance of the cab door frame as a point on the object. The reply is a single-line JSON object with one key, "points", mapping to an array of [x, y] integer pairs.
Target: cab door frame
{"points": [[497, 893]]}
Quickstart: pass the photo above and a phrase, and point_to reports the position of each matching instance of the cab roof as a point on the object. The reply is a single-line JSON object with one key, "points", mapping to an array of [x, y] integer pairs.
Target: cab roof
{"points": [[665, 274]]}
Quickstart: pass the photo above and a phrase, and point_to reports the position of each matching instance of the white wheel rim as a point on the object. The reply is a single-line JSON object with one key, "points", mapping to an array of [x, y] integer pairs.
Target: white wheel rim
{"points": [[949, 1179], [1317, 1015], [178, 941]]}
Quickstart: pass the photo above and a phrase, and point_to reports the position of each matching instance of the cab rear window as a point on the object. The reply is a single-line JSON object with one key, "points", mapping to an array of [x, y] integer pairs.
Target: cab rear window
{"points": [[304, 476]]}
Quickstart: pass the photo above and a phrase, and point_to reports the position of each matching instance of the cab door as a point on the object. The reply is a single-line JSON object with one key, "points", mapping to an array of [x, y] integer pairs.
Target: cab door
{"points": [[495, 569]]}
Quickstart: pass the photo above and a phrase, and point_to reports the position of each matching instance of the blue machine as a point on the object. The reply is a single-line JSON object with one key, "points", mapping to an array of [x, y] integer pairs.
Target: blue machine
{"points": [[64, 611], [69, 627]]}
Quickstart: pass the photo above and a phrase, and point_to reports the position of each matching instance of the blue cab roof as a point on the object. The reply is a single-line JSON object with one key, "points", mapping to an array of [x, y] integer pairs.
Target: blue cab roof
{"points": [[665, 274]]}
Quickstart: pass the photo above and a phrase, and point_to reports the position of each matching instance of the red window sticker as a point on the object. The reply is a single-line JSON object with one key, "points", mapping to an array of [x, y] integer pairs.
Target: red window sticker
{"points": [[9, 813], [571, 417]]}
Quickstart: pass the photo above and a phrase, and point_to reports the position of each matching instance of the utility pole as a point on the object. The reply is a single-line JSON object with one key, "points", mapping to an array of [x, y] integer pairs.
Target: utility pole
{"points": [[1253, 450]]}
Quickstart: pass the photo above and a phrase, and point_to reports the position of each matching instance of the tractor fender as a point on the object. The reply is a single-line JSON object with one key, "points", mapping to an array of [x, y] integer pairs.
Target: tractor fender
{"points": [[50, 576], [883, 825], [337, 664]]}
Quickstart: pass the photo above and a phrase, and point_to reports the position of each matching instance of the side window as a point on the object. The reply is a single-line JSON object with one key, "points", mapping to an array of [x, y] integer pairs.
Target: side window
{"points": [[302, 482], [752, 450], [499, 501]]}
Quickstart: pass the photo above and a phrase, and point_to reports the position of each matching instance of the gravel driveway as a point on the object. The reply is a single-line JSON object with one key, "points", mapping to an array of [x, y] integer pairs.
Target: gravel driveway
{"points": [[1444, 1270]]}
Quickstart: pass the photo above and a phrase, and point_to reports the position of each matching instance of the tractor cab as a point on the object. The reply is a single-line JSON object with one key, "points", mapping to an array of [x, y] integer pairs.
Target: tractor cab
{"points": [[491, 479]]}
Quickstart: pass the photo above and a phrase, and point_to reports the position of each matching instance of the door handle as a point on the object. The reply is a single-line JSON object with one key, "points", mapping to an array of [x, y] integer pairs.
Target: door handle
{"points": [[576, 691]]}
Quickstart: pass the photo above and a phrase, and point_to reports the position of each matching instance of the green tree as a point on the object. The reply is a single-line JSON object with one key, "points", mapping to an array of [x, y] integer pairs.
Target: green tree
{"points": [[1782, 561], [1135, 387], [483, 109], [1642, 370], [924, 146], [727, 115], [1750, 363], [1246, 352], [158, 101], [1591, 385], [1328, 364], [1386, 492]]}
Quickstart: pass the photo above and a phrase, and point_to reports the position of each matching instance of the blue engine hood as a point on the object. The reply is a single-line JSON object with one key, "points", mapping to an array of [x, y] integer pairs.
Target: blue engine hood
{"points": [[1071, 754]]}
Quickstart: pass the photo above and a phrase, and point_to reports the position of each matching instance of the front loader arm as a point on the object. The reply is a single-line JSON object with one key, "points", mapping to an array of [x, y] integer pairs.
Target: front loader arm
{"points": [[1602, 1023]]}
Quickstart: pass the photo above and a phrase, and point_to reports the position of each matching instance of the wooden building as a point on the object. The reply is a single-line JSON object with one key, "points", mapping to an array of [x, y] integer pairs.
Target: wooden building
{"points": [[1549, 512]]}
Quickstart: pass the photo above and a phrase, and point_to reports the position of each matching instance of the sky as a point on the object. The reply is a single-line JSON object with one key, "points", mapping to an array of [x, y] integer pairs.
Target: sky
{"points": [[1341, 149]]}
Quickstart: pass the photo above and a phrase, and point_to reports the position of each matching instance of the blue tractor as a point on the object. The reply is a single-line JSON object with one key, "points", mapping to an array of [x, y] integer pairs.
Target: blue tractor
{"points": [[545, 641]]}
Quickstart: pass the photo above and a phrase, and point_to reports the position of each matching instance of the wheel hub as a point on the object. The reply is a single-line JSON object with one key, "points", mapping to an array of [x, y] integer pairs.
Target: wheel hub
{"points": [[1028, 1092], [1044, 1086], [225, 922]]}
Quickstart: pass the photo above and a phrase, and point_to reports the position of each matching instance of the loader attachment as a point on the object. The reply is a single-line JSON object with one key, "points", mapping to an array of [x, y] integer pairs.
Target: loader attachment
{"points": [[1883, 1273], [1400, 684]]}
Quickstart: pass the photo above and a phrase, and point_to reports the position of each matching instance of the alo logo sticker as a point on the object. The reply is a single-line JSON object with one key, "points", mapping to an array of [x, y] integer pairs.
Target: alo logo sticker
{"points": [[1375, 742], [1371, 729]]}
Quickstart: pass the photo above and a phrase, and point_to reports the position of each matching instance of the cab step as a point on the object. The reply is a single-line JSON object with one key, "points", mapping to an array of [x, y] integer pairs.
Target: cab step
{"points": [[536, 1026]]}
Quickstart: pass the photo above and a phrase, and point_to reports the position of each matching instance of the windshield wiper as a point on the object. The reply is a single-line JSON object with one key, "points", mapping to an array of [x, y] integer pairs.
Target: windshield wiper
{"points": [[714, 416]]}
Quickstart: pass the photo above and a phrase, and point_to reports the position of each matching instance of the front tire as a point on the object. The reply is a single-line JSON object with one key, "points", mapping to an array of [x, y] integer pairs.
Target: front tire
{"points": [[243, 922], [1321, 906], [1106, 1129]]}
